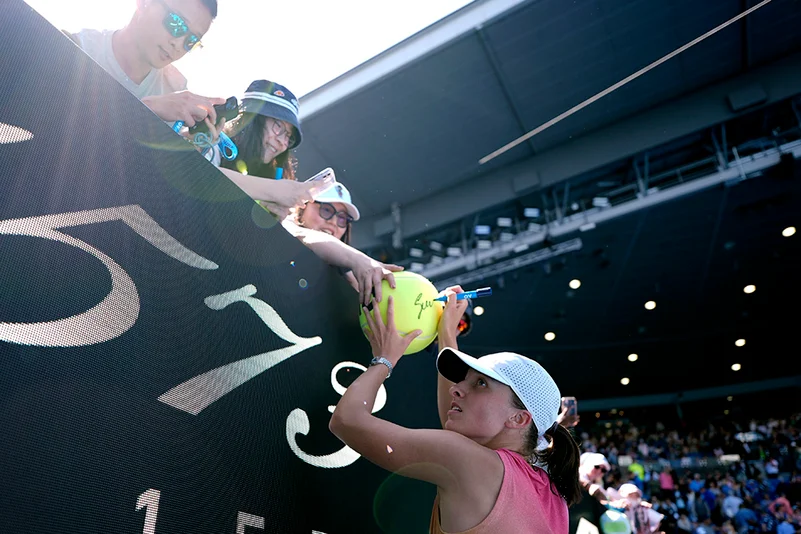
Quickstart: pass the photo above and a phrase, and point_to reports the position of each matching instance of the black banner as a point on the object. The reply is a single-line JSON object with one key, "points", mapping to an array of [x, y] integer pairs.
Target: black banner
{"points": [[168, 354]]}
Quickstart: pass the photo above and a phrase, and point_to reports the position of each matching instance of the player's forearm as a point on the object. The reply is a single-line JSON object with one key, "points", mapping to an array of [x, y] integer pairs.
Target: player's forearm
{"points": [[357, 403]]}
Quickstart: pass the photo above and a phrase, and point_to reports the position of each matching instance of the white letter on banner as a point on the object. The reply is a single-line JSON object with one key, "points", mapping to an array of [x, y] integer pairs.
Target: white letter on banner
{"points": [[298, 423], [13, 134], [196, 394], [244, 519], [116, 313]]}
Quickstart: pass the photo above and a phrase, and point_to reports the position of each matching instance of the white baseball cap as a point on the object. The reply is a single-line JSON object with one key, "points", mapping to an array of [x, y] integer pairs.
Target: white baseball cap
{"points": [[628, 489], [532, 384], [338, 193], [593, 459]]}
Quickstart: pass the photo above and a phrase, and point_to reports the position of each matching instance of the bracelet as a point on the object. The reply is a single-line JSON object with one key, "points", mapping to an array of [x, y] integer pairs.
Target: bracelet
{"points": [[383, 361]]}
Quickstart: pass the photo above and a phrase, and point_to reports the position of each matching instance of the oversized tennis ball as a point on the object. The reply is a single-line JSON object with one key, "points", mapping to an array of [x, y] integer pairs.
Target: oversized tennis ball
{"points": [[415, 308]]}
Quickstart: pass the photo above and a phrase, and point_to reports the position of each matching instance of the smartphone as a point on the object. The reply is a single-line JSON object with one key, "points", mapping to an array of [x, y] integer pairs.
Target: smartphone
{"points": [[229, 110], [570, 404], [325, 178]]}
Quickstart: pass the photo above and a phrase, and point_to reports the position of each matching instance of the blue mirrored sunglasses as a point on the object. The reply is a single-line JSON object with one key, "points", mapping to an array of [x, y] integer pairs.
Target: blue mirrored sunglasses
{"points": [[177, 27]]}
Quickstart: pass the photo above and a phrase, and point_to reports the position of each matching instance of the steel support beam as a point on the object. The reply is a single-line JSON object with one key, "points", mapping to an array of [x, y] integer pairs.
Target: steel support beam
{"points": [[745, 35], [504, 84]]}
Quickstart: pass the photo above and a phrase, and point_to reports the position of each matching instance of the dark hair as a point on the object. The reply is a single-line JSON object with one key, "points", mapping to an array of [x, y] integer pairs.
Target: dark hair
{"points": [[345, 237], [247, 132], [561, 457], [211, 5]]}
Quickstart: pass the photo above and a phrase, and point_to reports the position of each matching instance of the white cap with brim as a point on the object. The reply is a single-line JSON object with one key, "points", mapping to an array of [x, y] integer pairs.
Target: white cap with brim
{"points": [[593, 459], [628, 489], [339, 193], [527, 378]]}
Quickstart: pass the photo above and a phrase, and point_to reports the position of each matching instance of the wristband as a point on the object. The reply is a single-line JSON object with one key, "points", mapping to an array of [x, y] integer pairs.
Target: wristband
{"points": [[382, 361]]}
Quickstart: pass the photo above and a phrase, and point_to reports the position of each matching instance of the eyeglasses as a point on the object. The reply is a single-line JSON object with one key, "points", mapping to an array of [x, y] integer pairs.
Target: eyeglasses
{"points": [[327, 211], [601, 467], [175, 24], [280, 130]]}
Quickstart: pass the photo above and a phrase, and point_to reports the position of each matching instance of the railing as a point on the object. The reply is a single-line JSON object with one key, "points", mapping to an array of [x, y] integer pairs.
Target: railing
{"points": [[577, 209], [684, 183]]}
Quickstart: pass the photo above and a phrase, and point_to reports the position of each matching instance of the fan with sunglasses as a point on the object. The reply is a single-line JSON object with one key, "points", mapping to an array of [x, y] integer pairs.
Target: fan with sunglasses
{"points": [[176, 25]]}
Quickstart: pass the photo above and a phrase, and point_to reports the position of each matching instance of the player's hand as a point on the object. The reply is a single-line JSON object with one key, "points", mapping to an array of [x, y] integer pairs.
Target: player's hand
{"points": [[384, 337], [454, 310]]}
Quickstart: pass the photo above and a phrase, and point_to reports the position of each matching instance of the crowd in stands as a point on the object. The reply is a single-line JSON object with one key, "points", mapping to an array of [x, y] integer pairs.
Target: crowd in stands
{"points": [[733, 478]]}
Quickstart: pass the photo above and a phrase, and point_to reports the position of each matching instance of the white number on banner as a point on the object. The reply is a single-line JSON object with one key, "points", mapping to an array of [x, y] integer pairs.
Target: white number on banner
{"points": [[149, 500]]}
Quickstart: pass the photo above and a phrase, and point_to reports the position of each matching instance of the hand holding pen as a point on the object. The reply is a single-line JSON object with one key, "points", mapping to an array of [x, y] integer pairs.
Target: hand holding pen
{"points": [[476, 293]]}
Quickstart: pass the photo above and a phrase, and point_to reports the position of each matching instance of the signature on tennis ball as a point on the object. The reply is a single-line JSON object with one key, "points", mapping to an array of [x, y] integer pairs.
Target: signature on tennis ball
{"points": [[423, 305]]}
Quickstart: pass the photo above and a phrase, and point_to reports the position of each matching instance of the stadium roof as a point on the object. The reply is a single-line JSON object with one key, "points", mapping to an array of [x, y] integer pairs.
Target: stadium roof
{"points": [[409, 127]]}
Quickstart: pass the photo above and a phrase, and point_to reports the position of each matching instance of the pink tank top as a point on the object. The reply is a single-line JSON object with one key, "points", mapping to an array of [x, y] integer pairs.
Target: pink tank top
{"points": [[526, 503]]}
